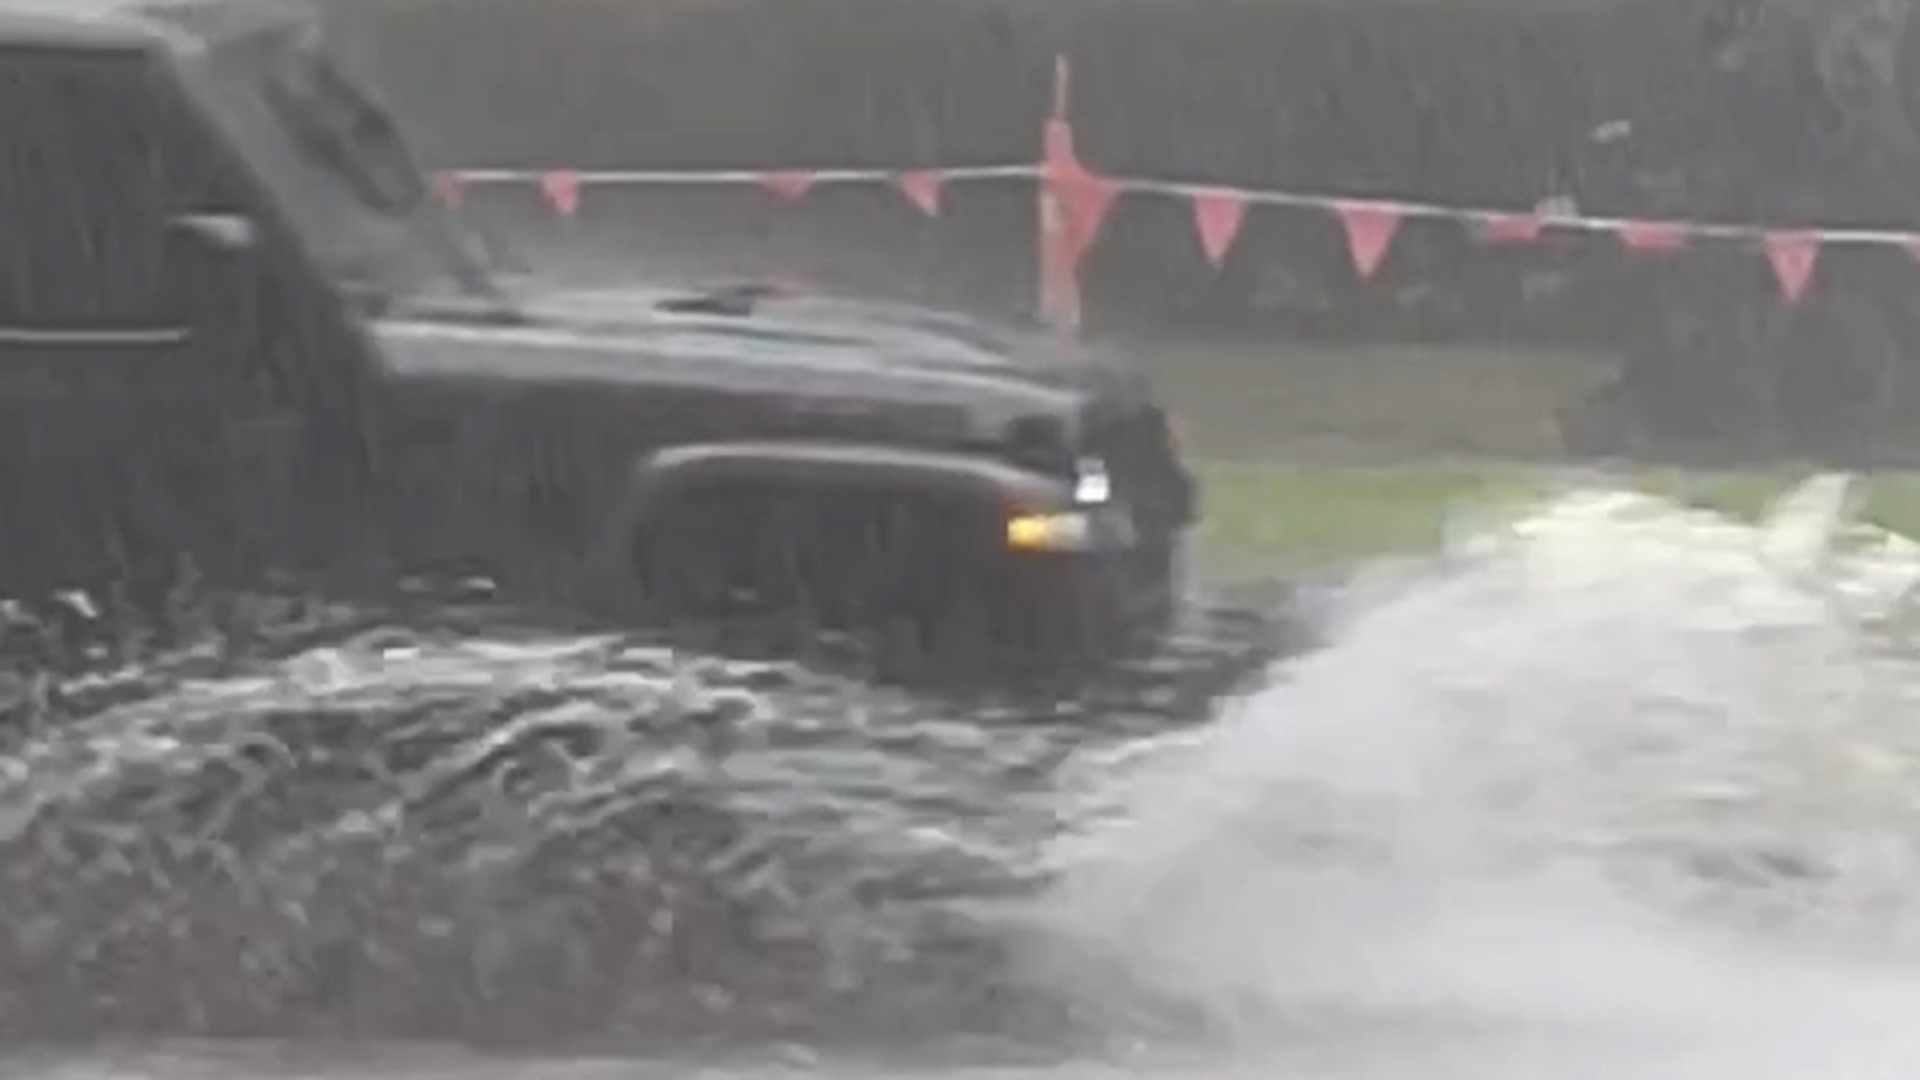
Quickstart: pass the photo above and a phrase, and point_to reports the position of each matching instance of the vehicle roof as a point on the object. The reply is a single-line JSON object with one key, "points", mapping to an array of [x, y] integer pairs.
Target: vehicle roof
{"points": [[132, 23]]}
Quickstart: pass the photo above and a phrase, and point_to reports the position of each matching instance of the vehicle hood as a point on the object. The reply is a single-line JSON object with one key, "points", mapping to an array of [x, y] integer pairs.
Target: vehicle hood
{"points": [[801, 349], [898, 335]]}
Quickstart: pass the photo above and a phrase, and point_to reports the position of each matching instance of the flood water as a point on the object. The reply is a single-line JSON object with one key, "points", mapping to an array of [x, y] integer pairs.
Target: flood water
{"points": [[1610, 788]]}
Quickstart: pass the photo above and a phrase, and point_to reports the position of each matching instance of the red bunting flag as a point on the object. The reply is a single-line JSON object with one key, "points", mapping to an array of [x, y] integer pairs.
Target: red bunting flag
{"points": [[1792, 255], [1652, 237], [1073, 201], [790, 185], [562, 188], [1369, 227], [922, 189], [1218, 213], [1510, 228], [1084, 197]]}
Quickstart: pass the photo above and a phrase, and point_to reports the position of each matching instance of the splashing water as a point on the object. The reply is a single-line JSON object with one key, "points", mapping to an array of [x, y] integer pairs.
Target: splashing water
{"points": [[1621, 784], [530, 836], [1615, 784]]}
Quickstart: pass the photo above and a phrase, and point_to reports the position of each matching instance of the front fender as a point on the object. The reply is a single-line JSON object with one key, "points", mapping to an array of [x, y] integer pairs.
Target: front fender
{"points": [[669, 473]]}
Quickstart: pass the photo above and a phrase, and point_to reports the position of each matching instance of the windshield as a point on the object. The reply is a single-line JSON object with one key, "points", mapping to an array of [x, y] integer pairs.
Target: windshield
{"points": [[343, 172]]}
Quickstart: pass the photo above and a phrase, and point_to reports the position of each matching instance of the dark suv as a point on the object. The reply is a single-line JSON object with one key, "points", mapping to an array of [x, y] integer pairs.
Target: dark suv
{"points": [[238, 335]]}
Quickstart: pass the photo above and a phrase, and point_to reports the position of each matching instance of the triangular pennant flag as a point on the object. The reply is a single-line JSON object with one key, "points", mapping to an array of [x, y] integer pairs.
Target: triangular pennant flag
{"points": [[1084, 197], [1369, 227], [791, 185], [1218, 213], [446, 185], [1073, 202], [1652, 237], [1510, 228], [922, 189], [1792, 255], [562, 188]]}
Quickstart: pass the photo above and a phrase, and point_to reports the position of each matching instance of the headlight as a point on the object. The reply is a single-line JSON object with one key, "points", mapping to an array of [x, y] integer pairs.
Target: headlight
{"points": [[1068, 531], [1093, 521]]}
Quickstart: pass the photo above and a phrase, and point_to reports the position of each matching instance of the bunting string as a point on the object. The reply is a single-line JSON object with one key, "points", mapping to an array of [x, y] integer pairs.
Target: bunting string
{"points": [[1074, 200], [1493, 226]]}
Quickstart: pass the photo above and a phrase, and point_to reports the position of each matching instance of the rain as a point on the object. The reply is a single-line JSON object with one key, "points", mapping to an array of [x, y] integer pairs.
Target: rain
{"points": [[1486, 419]]}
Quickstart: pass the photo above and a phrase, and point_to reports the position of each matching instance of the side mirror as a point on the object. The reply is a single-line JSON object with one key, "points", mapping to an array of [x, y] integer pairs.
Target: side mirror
{"points": [[231, 233], [210, 281]]}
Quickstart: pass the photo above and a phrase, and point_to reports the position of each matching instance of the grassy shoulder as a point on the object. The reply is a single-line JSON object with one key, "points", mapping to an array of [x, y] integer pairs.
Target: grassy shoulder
{"points": [[1273, 517]]}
